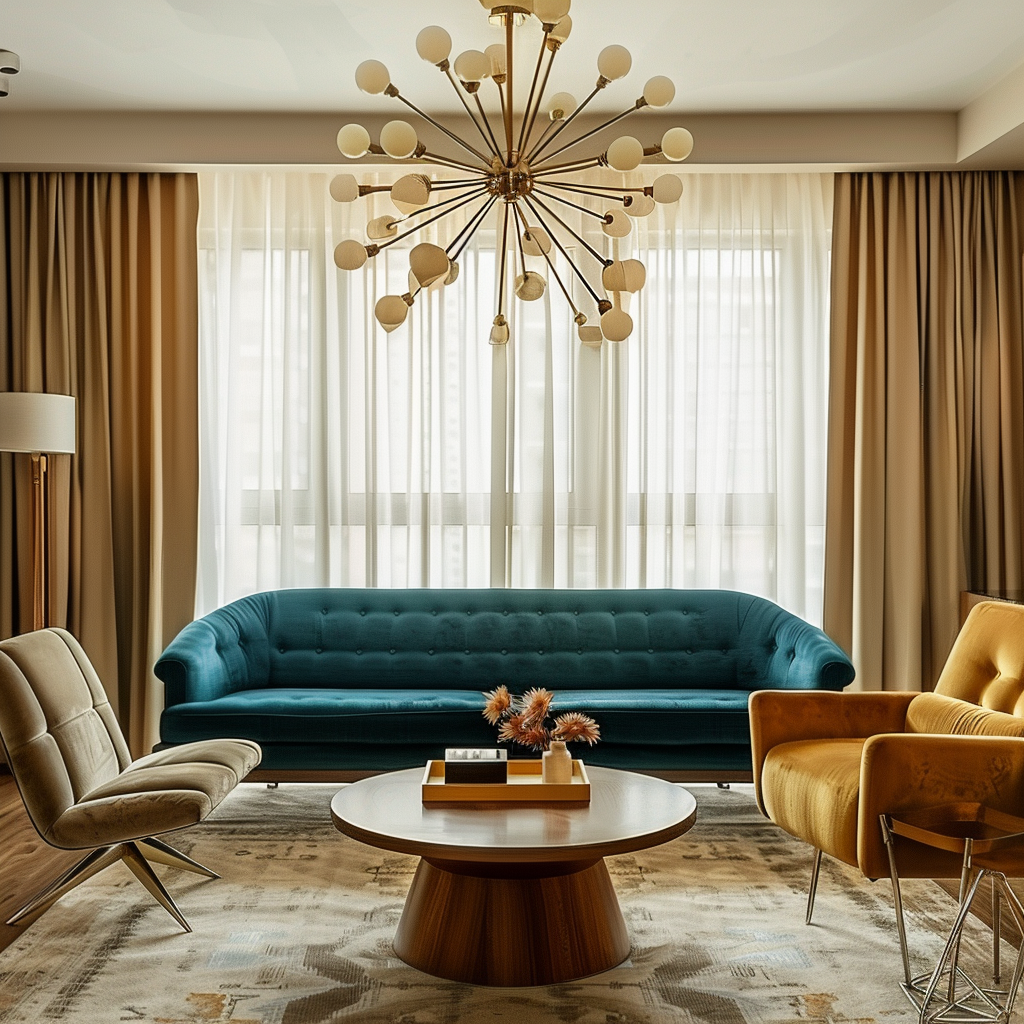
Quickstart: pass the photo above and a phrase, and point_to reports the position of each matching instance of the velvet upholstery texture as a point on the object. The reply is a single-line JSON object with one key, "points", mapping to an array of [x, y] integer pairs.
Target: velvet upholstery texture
{"points": [[67, 753], [359, 678], [827, 765]]}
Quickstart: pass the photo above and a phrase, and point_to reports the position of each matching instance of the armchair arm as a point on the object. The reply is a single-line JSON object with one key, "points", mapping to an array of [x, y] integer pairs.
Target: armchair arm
{"points": [[782, 716], [915, 770]]}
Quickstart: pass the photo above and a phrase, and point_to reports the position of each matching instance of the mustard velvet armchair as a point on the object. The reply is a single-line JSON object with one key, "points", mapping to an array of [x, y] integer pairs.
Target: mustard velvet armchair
{"points": [[827, 765], [81, 789]]}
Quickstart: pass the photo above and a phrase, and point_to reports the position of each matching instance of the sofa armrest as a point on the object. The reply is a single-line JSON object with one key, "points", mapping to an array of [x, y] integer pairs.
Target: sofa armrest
{"points": [[782, 716], [807, 658], [916, 770], [192, 667]]}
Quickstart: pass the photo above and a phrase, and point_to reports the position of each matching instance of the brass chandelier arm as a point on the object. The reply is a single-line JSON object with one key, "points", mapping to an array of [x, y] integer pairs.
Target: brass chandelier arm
{"points": [[551, 265], [469, 229], [575, 165], [504, 257], [440, 127], [576, 206], [463, 200], [487, 123], [540, 98], [450, 162], [509, 64], [469, 110], [445, 186], [600, 191], [639, 105], [561, 248], [565, 124], [437, 206], [523, 133], [579, 238]]}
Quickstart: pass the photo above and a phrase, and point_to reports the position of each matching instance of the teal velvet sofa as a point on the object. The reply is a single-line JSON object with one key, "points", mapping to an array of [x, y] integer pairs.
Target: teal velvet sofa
{"points": [[338, 680]]}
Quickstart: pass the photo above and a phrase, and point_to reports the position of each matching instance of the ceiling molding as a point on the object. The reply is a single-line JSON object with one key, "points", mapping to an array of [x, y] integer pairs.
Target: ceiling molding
{"points": [[140, 140], [993, 116]]}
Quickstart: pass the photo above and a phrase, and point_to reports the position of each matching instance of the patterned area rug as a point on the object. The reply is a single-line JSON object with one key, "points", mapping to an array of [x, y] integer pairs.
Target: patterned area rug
{"points": [[299, 932]]}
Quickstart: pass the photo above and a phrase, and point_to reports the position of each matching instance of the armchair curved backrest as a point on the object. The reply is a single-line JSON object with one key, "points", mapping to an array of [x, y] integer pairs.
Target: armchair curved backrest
{"points": [[56, 723]]}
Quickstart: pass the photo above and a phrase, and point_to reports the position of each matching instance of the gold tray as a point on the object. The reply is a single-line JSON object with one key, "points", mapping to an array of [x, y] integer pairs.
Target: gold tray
{"points": [[524, 786]]}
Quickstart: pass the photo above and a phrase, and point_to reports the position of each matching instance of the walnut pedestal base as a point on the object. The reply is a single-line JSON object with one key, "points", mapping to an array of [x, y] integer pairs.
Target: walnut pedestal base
{"points": [[509, 924]]}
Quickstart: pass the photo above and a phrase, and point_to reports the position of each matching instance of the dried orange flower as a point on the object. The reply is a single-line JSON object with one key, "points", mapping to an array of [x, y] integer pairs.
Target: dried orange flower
{"points": [[535, 704], [498, 701], [576, 726], [512, 730], [537, 737]]}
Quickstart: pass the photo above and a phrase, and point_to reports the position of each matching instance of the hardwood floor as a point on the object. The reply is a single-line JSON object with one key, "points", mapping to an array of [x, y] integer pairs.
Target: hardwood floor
{"points": [[27, 864]]}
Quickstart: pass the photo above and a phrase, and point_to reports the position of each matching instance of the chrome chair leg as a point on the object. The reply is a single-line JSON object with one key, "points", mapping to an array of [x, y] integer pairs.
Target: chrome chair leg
{"points": [[94, 861], [814, 886], [897, 897], [140, 867], [996, 930], [157, 850]]}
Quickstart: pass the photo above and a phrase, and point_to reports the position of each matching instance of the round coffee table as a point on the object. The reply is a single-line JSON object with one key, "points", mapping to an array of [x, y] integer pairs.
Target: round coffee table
{"points": [[507, 895]]}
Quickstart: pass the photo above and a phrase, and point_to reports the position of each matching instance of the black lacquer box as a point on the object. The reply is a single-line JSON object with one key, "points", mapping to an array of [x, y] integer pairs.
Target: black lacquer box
{"points": [[475, 764]]}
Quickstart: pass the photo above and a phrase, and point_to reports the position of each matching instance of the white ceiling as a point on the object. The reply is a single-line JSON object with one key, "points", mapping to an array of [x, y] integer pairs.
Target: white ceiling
{"points": [[265, 55]]}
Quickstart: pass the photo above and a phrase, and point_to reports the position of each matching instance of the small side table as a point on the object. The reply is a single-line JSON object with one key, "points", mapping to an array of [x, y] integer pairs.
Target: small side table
{"points": [[979, 834]]}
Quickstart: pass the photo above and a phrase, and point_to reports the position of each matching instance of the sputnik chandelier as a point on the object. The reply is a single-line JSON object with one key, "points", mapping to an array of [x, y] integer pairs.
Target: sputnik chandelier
{"points": [[519, 168]]}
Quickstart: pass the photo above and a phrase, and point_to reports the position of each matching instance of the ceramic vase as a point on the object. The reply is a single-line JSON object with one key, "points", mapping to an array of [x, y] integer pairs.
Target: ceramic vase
{"points": [[556, 764]]}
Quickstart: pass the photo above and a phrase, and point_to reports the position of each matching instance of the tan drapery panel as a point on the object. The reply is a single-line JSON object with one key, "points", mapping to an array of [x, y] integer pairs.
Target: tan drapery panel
{"points": [[99, 301], [926, 420]]}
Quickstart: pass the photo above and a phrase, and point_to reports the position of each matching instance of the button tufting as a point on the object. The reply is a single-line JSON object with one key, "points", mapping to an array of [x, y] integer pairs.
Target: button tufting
{"points": [[431, 651], [467, 650], [359, 650], [392, 650], [503, 651], [540, 613], [616, 650], [650, 650], [398, 613], [689, 650], [323, 611], [319, 650], [540, 652], [434, 612], [579, 650], [646, 612], [505, 612], [575, 613], [281, 649], [363, 612]]}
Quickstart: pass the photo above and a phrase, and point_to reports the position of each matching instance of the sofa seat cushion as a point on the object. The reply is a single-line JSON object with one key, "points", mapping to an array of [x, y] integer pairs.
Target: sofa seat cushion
{"points": [[452, 717], [811, 789]]}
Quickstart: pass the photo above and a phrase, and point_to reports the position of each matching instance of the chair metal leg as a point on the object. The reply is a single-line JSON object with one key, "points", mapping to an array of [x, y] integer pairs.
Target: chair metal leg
{"points": [[814, 885], [156, 850], [897, 897], [140, 867], [94, 861], [996, 930]]}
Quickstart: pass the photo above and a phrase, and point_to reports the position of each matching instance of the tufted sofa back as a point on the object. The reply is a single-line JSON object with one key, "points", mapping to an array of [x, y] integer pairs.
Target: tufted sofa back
{"points": [[57, 726], [469, 639]]}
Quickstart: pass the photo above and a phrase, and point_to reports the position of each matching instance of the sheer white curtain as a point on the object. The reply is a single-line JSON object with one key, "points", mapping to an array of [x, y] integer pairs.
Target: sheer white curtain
{"points": [[690, 455]]}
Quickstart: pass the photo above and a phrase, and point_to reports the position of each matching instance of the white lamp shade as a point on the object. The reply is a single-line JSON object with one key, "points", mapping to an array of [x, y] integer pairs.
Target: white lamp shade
{"points": [[344, 188], [561, 31], [551, 12], [495, 53], [677, 144], [614, 62], [35, 422], [398, 139], [529, 286], [536, 242], [453, 273], [382, 227], [561, 105], [434, 44], [640, 205], [472, 66], [373, 77], [428, 263], [353, 141], [668, 188], [659, 91], [349, 255], [10, 63], [624, 276], [391, 312], [625, 153], [411, 192], [616, 224], [616, 325]]}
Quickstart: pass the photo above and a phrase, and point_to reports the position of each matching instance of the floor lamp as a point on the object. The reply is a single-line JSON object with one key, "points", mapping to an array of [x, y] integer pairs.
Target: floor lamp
{"points": [[41, 425]]}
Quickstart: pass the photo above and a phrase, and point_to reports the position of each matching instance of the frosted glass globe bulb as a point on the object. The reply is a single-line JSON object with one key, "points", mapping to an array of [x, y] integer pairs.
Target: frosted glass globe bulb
{"points": [[398, 139], [495, 54], [616, 224], [344, 188], [434, 44], [353, 141], [391, 312], [551, 12], [472, 66], [428, 263], [677, 144], [659, 91], [640, 206], [561, 105], [372, 77], [614, 62], [349, 255], [625, 153], [668, 188], [616, 325], [561, 31]]}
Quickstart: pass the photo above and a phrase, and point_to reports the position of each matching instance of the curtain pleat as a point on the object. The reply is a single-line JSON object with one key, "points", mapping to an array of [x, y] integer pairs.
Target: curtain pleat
{"points": [[100, 302], [926, 418]]}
